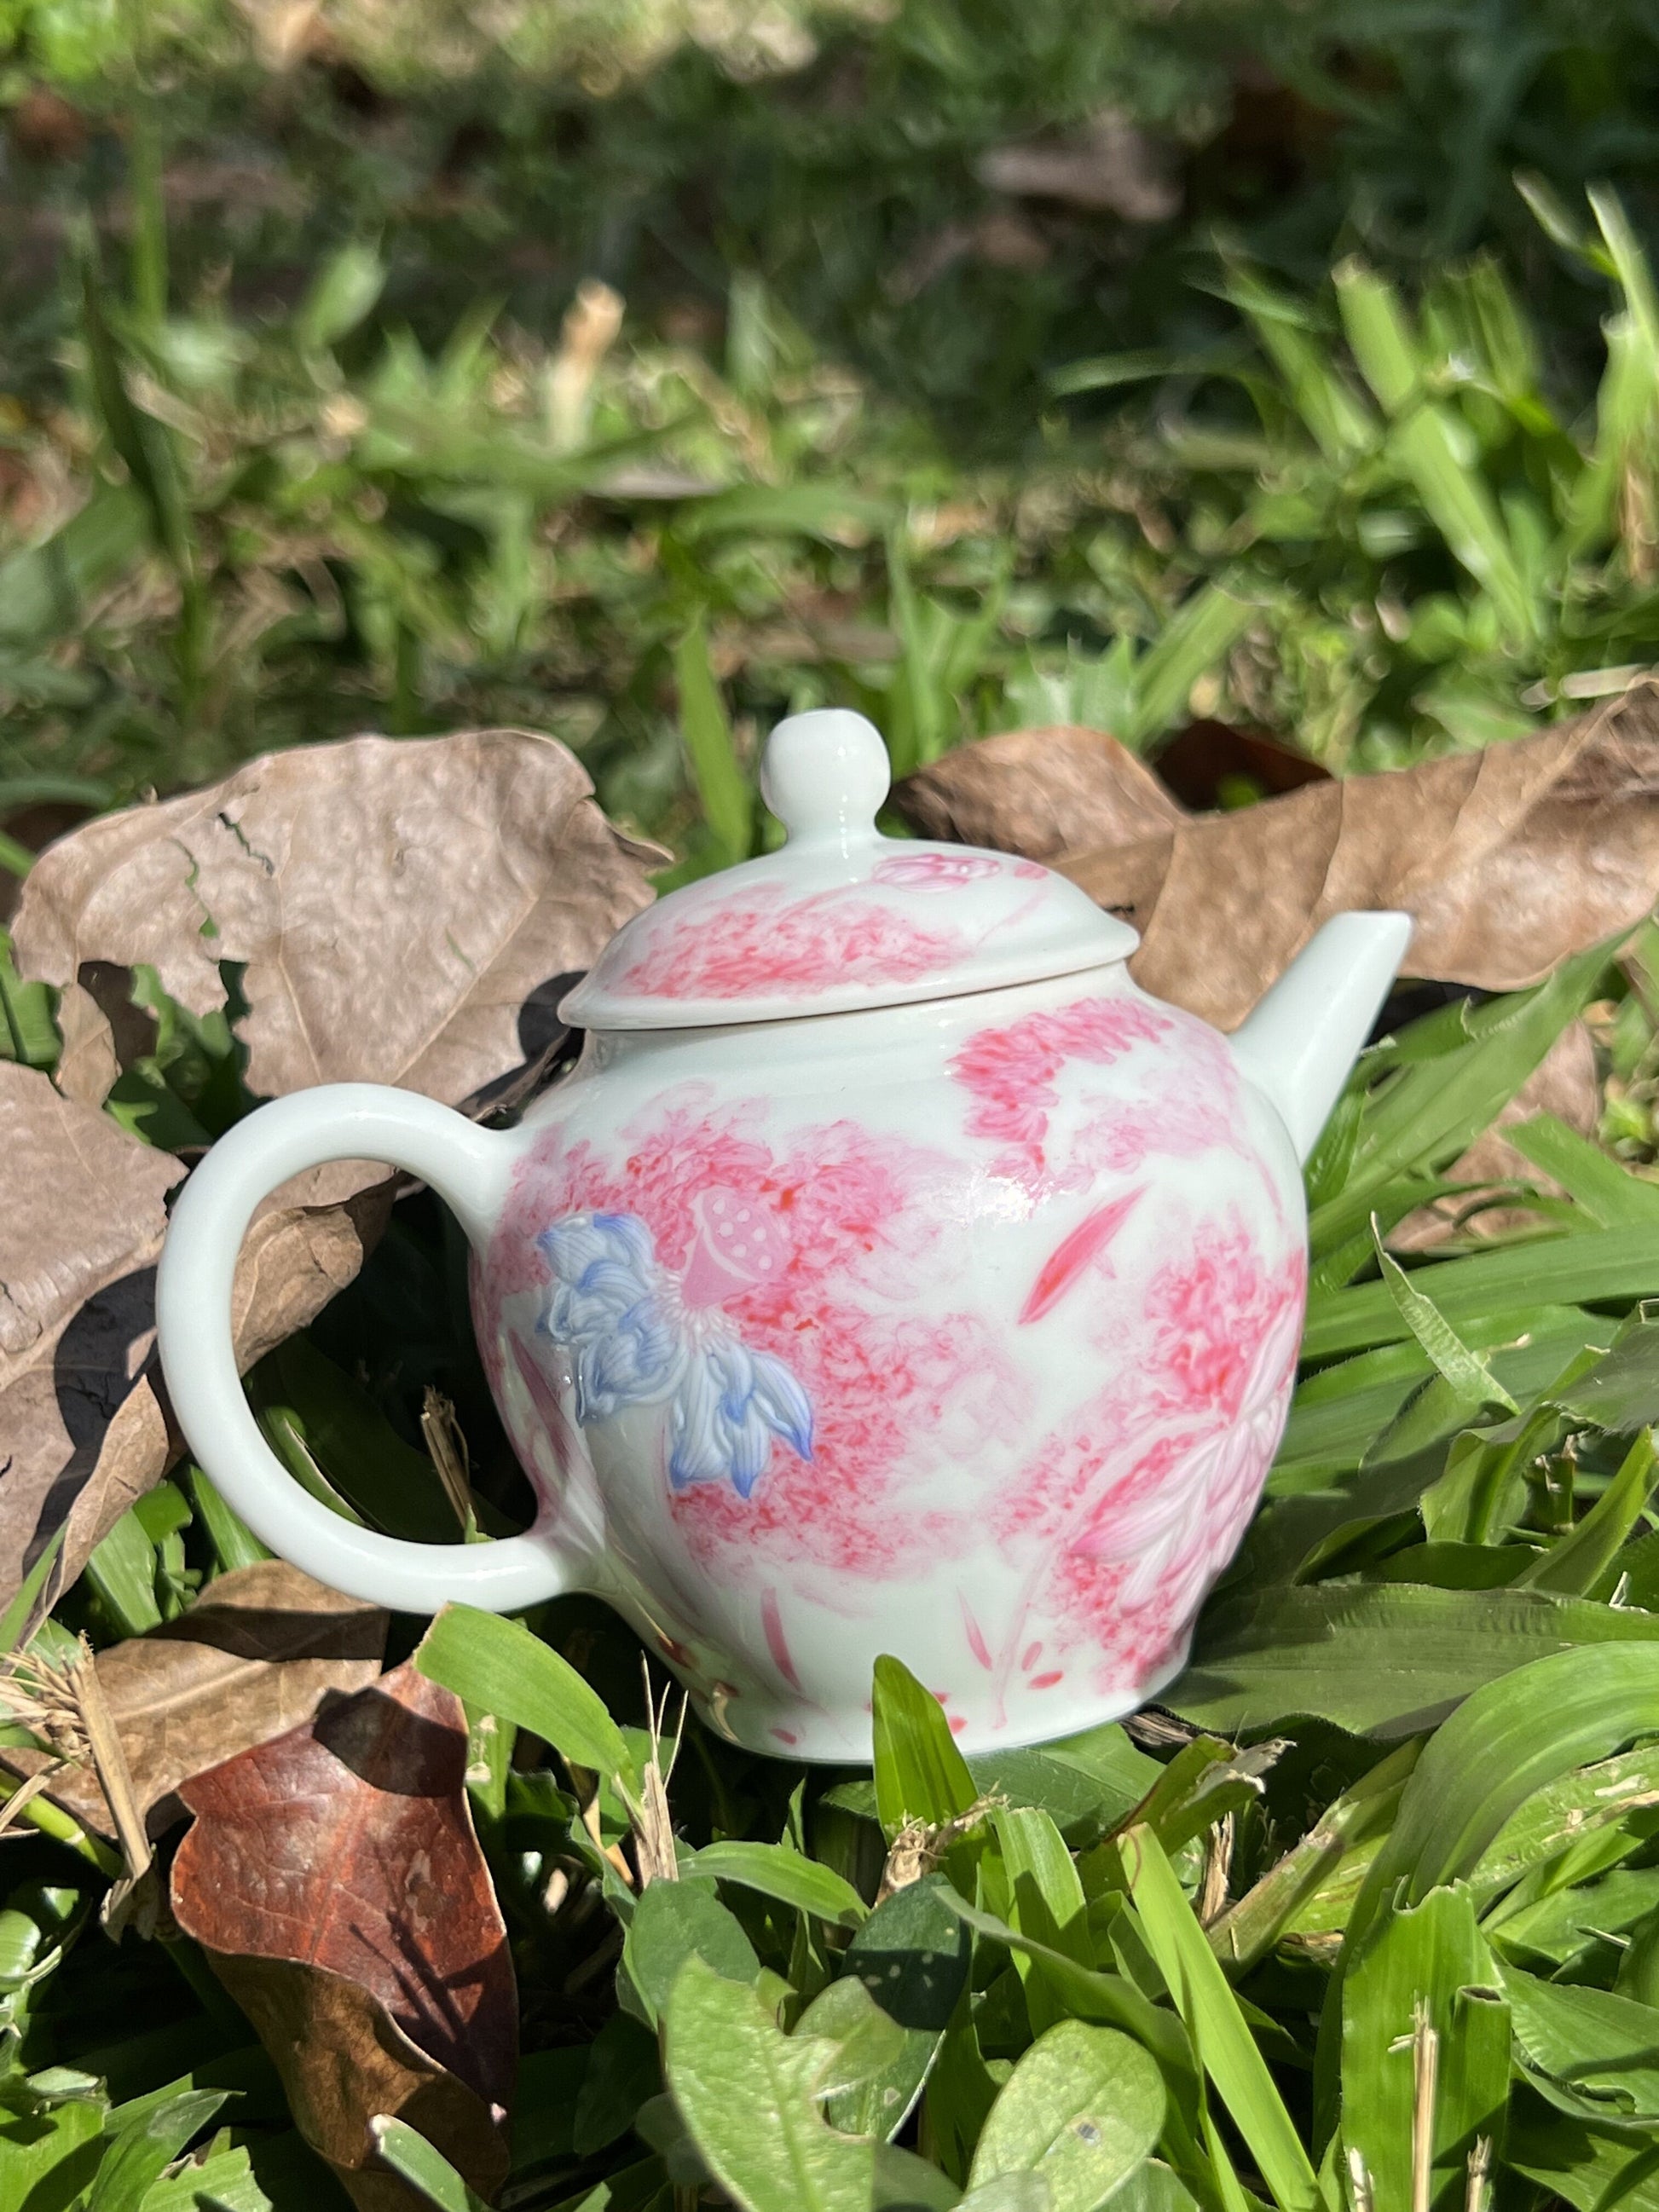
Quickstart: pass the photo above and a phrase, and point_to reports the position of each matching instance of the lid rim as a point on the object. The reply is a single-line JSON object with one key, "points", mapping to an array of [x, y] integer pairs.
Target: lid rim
{"points": [[740, 1013]]}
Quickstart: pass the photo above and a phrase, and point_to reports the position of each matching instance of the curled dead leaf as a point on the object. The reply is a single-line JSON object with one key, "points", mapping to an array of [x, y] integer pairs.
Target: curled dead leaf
{"points": [[1509, 859], [82, 1225], [399, 910], [83, 1430], [253, 1657], [394, 903], [333, 1877]]}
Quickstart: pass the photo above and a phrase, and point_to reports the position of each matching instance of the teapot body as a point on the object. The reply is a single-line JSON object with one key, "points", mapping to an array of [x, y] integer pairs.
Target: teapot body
{"points": [[964, 1331]]}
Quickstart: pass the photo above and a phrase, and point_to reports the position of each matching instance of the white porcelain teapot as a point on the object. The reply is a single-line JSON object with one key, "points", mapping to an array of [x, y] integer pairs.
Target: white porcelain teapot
{"points": [[890, 1274]]}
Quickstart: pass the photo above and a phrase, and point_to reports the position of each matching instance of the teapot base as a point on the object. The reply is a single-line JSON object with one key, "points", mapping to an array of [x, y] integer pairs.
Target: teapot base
{"points": [[793, 1728]]}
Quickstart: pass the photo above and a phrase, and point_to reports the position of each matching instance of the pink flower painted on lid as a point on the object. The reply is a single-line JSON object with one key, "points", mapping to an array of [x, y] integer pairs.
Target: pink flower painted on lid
{"points": [[934, 871]]}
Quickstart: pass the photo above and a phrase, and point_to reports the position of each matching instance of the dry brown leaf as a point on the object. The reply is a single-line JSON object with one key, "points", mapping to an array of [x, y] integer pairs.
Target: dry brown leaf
{"points": [[334, 1879], [253, 1657], [1509, 859], [84, 1430], [395, 902], [81, 1232]]}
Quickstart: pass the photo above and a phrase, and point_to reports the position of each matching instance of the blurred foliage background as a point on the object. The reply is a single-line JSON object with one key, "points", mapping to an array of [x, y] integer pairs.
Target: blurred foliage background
{"points": [[407, 366]]}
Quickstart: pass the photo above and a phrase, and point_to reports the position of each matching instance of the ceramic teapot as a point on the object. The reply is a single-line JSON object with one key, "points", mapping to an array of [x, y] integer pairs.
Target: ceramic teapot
{"points": [[890, 1274]]}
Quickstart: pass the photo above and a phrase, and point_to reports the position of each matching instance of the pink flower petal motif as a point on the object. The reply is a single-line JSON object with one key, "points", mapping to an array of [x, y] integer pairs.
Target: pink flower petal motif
{"points": [[934, 871], [761, 941], [1074, 1254]]}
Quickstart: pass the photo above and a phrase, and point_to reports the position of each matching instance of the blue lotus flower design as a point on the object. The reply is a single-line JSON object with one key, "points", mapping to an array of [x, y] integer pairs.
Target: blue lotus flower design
{"points": [[632, 1341]]}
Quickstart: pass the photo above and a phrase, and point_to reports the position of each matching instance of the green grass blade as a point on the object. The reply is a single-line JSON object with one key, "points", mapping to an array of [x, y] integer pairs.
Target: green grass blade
{"points": [[1225, 2047], [727, 795], [499, 1667]]}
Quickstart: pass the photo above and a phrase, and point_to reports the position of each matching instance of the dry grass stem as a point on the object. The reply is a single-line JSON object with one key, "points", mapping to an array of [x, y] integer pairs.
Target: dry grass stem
{"points": [[61, 1703], [1359, 2184], [917, 1849], [654, 1829], [447, 1449], [1479, 2172], [1217, 1866], [1426, 2067]]}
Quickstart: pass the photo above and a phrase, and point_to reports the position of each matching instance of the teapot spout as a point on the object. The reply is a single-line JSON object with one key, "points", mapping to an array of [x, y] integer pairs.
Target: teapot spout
{"points": [[1303, 1038]]}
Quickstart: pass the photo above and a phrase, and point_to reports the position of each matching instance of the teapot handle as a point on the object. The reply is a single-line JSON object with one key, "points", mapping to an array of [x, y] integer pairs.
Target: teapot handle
{"points": [[468, 1167]]}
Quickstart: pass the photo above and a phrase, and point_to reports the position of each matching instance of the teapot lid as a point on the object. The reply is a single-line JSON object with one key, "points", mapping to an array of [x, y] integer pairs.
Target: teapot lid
{"points": [[840, 917]]}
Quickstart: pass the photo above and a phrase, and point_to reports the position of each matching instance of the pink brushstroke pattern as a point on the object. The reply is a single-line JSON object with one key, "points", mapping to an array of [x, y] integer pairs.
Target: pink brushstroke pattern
{"points": [[1075, 1253], [762, 940]]}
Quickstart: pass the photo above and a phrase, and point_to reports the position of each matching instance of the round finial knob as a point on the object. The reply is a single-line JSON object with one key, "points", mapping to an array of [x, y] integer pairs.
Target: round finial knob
{"points": [[825, 774]]}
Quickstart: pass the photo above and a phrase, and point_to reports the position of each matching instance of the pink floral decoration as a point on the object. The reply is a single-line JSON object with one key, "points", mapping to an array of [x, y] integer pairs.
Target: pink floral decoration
{"points": [[934, 871], [1011, 1070], [846, 1215], [762, 940]]}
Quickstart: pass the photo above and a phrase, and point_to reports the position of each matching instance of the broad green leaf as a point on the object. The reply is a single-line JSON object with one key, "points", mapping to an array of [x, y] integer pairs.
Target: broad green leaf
{"points": [[1386, 1657], [872, 2083], [1490, 1286], [1226, 2049], [1045, 1902], [122, 1570], [1429, 1109], [749, 2095], [427, 2171], [50, 2156], [1561, 1814], [499, 1667], [775, 1871], [303, 1395], [919, 1773], [1428, 1962], [1604, 2045], [140, 2151], [1090, 1994], [727, 795], [1082, 2107], [622, 2070], [911, 1957], [1620, 1390], [1583, 2165], [675, 1921]]}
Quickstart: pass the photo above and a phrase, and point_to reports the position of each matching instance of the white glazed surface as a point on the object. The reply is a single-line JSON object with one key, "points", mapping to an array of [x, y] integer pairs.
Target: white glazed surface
{"points": [[964, 1332]]}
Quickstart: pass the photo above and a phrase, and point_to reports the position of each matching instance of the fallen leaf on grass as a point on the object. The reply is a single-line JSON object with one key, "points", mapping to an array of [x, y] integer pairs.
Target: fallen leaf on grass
{"points": [[394, 901], [84, 1215], [396, 907], [1509, 859], [253, 1657], [335, 1881], [82, 1428]]}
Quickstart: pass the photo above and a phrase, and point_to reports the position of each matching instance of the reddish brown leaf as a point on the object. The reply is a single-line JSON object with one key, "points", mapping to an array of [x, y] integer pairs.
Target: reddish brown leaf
{"points": [[395, 900], [1509, 859], [253, 1657], [333, 1877]]}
